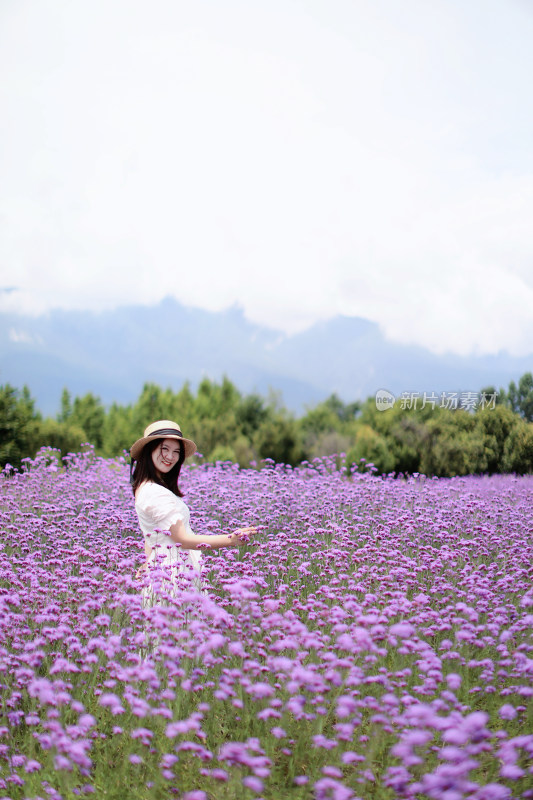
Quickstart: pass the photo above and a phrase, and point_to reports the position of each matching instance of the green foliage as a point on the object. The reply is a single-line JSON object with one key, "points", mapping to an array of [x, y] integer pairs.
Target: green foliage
{"points": [[279, 438], [19, 424], [250, 414], [152, 404], [320, 419], [521, 396], [456, 446], [330, 415], [345, 412], [329, 427], [65, 437], [229, 426], [119, 430], [222, 452], [244, 452], [88, 413], [408, 438], [490, 396], [326, 444], [518, 450], [211, 433], [214, 401], [372, 447], [66, 406], [495, 426]]}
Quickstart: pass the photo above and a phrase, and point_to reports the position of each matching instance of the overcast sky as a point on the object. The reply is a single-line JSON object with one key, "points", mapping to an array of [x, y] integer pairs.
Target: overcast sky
{"points": [[299, 158]]}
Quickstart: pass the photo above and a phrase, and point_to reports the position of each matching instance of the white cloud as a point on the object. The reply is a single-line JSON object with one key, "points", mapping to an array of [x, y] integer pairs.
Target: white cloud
{"points": [[23, 337], [360, 158]]}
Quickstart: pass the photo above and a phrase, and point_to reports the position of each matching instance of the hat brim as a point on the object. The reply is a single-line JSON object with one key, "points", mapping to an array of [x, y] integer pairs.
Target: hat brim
{"points": [[136, 448]]}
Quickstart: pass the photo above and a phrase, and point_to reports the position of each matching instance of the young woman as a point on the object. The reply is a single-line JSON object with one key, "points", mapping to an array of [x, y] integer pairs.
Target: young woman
{"points": [[163, 515]]}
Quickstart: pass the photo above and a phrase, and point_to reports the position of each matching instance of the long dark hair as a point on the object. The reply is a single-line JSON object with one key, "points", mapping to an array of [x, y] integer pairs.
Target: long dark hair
{"points": [[144, 469]]}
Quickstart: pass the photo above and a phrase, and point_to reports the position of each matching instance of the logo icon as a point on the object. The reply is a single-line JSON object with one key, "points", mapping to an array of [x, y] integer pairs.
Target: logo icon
{"points": [[384, 400]]}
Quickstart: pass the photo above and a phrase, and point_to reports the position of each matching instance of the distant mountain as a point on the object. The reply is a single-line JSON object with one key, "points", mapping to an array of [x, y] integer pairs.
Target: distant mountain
{"points": [[112, 353]]}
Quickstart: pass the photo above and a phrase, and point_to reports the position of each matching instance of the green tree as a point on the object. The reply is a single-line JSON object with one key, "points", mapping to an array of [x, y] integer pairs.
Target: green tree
{"points": [[455, 452], [19, 425], [373, 447], [88, 413], [214, 422], [328, 427], [210, 433], [223, 452], [119, 431], [521, 396], [183, 407], [244, 452], [518, 451], [63, 436], [66, 406], [408, 438], [250, 414], [345, 412], [493, 396], [495, 425], [150, 406], [214, 400], [278, 438], [327, 443], [320, 419]]}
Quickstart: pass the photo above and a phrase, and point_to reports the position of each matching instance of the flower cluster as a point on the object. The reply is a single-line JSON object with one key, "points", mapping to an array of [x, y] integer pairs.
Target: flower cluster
{"points": [[375, 641]]}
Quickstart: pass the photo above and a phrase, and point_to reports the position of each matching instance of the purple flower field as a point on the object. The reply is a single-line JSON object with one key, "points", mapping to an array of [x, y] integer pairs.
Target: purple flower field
{"points": [[374, 642]]}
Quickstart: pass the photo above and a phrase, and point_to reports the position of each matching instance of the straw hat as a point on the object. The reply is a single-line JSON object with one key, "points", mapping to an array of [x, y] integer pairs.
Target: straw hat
{"points": [[162, 429]]}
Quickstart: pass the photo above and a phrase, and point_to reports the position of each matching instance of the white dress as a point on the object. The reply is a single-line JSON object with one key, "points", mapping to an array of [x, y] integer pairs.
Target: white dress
{"points": [[158, 509]]}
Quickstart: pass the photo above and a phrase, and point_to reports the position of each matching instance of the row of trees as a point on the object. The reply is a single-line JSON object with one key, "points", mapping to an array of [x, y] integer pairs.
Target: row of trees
{"points": [[408, 437]]}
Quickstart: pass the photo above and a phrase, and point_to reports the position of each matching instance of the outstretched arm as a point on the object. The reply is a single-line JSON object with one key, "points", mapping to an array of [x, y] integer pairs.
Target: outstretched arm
{"points": [[190, 541]]}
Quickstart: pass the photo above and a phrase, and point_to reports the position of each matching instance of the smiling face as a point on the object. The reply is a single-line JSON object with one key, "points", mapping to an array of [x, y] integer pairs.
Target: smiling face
{"points": [[165, 455]]}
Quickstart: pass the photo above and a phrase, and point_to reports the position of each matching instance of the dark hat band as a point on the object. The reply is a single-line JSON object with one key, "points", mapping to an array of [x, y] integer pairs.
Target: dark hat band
{"points": [[166, 432]]}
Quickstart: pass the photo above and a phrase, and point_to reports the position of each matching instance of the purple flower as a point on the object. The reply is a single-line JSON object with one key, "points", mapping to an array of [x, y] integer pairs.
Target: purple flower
{"points": [[349, 757], [330, 789], [402, 629], [261, 690], [453, 680], [112, 702], [144, 734], [255, 784], [507, 711], [62, 763], [493, 791], [512, 771], [327, 622], [182, 726], [219, 774], [332, 772], [321, 741]]}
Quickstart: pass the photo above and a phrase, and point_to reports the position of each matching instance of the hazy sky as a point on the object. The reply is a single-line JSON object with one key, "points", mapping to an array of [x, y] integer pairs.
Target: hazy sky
{"points": [[300, 158]]}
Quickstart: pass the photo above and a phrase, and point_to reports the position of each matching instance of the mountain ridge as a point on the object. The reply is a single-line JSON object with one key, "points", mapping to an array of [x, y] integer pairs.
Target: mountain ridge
{"points": [[113, 353]]}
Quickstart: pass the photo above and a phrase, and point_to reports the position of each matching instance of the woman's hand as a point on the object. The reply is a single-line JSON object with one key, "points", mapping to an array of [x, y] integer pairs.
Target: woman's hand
{"points": [[242, 534], [142, 571]]}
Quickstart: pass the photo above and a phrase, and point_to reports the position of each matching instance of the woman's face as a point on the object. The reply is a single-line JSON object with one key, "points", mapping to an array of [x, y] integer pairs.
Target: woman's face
{"points": [[165, 455]]}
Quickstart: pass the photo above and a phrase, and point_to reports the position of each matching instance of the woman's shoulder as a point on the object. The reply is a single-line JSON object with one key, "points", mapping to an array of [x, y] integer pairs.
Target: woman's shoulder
{"points": [[151, 489], [156, 504]]}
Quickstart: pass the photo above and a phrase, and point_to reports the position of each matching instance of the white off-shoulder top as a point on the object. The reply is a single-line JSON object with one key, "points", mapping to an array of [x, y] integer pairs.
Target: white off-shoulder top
{"points": [[158, 509]]}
